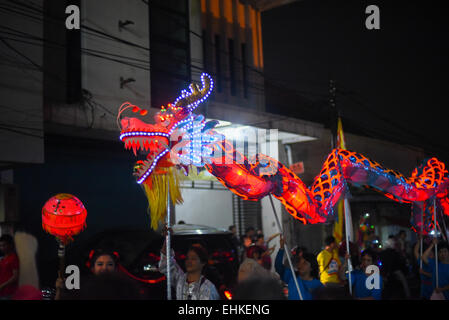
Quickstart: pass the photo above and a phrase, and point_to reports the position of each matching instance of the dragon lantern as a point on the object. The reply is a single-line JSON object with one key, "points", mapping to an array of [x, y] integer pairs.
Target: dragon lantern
{"points": [[178, 139]]}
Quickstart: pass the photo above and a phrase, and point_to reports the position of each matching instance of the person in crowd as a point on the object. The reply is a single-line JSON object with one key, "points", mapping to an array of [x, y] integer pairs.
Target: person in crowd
{"points": [[248, 238], [443, 267], [369, 240], [425, 272], [298, 251], [260, 240], [28, 284], [190, 285], [237, 243], [392, 242], [354, 251], [402, 243], [393, 270], [329, 264], [251, 268], [100, 261], [255, 252], [266, 255], [235, 239], [359, 278], [306, 274], [9, 267], [256, 288], [404, 249]]}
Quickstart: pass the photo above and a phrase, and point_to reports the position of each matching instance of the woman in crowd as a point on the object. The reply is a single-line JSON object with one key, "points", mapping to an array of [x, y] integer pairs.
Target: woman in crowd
{"points": [[250, 268], [306, 275], [9, 268], [100, 261], [26, 248], [255, 252], [266, 258], [190, 285]]}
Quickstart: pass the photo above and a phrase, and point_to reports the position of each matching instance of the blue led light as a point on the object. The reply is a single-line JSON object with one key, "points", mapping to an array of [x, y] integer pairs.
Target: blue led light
{"points": [[185, 94], [144, 134], [153, 165]]}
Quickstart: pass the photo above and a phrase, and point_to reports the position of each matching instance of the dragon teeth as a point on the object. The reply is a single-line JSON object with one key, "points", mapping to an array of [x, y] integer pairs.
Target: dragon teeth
{"points": [[143, 144]]}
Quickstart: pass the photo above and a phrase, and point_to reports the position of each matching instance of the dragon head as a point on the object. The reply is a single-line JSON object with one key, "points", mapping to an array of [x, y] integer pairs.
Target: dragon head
{"points": [[176, 139]]}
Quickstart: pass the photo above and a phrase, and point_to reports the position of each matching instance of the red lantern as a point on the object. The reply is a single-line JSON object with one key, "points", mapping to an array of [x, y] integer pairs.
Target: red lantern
{"points": [[64, 216]]}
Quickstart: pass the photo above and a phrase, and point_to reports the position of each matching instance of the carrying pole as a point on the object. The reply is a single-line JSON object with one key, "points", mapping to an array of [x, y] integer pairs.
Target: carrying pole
{"points": [[61, 256], [435, 235], [422, 242], [286, 249], [347, 217], [167, 240]]}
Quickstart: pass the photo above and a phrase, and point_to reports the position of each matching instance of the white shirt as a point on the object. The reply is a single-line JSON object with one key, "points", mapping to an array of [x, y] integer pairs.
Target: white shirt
{"points": [[202, 289]]}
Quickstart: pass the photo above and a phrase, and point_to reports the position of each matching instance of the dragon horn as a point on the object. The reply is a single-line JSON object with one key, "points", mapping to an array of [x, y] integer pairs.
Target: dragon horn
{"points": [[192, 99]]}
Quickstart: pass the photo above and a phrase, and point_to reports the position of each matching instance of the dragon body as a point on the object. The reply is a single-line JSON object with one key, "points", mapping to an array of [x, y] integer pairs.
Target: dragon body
{"points": [[178, 140]]}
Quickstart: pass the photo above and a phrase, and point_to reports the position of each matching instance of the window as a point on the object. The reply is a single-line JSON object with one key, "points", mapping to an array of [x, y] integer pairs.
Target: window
{"points": [[244, 72], [170, 49], [232, 67], [206, 63], [246, 214], [218, 62]]}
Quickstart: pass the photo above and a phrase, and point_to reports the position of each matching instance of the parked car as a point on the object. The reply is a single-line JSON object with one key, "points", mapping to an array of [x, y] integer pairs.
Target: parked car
{"points": [[139, 252]]}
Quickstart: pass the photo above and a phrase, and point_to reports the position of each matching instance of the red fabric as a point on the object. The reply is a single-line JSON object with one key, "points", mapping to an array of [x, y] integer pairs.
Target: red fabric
{"points": [[27, 292], [7, 265]]}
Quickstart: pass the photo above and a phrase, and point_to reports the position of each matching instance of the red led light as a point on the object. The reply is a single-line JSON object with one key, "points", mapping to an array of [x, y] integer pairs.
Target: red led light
{"points": [[228, 295]]}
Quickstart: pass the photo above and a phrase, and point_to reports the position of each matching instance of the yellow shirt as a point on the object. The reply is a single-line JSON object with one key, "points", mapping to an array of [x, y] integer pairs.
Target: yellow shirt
{"points": [[329, 264]]}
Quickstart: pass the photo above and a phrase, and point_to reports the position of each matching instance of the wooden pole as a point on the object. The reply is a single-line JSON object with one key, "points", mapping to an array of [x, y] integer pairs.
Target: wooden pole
{"points": [[61, 255]]}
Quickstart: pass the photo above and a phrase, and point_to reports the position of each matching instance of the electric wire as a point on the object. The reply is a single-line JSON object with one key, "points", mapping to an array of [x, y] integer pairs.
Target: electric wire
{"points": [[111, 37]]}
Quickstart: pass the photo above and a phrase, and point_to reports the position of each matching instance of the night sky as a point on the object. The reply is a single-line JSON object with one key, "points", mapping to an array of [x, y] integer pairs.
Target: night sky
{"points": [[392, 83]]}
